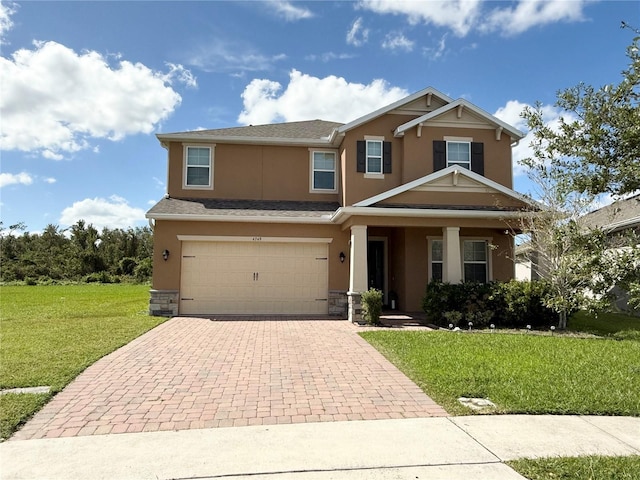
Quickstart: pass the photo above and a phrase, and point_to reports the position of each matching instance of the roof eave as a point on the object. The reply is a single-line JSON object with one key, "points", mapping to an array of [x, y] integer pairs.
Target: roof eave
{"points": [[325, 219], [343, 213], [299, 142], [513, 132]]}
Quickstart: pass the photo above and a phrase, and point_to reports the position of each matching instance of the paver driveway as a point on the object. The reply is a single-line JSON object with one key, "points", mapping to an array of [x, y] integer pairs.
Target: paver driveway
{"points": [[196, 373]]}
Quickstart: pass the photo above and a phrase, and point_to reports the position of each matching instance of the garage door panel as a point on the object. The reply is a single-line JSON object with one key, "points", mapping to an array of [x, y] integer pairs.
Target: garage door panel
{"points": [[254, 278]]}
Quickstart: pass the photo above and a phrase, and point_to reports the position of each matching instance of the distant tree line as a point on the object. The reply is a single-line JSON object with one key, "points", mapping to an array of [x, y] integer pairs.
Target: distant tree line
{"points": [[79, 253]]}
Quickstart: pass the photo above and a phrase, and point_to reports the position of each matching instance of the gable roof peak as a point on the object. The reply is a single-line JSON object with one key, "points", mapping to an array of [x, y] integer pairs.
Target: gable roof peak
{"points": [[426, 92]]}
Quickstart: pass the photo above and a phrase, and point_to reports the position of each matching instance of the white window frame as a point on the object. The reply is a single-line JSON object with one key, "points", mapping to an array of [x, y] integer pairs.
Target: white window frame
{"points": [[489, 262], [312, 170], [430, 241], [186, 148], [467, 140], [371, 140]]}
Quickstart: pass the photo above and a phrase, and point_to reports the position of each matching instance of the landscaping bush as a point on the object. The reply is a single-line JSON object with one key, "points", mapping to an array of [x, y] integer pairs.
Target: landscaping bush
{"points": [[372, 306], [522, 304], [512, 304]]}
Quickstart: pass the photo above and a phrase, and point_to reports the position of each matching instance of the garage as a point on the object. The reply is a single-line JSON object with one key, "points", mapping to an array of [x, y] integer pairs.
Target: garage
{"points": [[255, 277]]}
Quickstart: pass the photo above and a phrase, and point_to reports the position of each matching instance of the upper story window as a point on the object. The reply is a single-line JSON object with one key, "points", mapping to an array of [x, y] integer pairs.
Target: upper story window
{"points": [[374, 156], [198, 163], [459, 153], [323, 172]]}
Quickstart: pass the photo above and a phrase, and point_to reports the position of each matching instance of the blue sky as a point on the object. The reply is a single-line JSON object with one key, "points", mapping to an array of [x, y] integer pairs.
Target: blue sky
{"points": [[86, 85]]}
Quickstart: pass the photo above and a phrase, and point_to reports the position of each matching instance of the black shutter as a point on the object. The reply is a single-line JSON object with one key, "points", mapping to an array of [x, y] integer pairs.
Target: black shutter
{"points": [[477, 158], [439, 155], [361, 158], [386, 157]]}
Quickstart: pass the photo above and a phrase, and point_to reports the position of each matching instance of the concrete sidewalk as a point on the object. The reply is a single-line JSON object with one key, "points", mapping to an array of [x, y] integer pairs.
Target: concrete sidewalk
{"points": [[436, 448]]}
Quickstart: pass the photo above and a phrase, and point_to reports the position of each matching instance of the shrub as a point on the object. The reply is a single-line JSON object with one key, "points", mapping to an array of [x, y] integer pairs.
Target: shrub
{"points": [[372, 306], [99, 277], [143, 270], [522, 303], [127, 266], [509, 304], [458, 304]]}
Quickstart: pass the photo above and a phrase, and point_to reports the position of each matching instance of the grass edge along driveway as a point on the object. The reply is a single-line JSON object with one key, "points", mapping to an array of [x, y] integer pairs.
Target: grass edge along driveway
{"points": [[526, 374], [50, 334]]}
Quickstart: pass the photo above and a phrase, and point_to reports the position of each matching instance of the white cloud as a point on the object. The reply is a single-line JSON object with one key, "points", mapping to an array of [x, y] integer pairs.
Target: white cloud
{"points": [[22, 178], [357, 34], [511, 114], [458, 15], [397, 41], [114, 212], [56, 101], [308, 98], [6, 10], [436, 52], [218, 55], [528, 14], [463, 16], [289, 11], [329, 56], [50, 180]]}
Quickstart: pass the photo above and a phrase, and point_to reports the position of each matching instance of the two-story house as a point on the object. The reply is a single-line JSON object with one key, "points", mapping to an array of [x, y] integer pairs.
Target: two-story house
{"points": [[300, 218]]}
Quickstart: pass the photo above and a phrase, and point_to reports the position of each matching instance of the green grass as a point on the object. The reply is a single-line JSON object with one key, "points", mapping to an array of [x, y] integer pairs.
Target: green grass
{"points": [[531, 374], [579, 468], [50, 334], [604, 324]]}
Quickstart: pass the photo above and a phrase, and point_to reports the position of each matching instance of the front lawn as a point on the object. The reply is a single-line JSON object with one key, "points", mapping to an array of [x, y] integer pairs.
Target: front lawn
{"points": [[604, 324], [49, 334], [520, 373], [579, 468]]}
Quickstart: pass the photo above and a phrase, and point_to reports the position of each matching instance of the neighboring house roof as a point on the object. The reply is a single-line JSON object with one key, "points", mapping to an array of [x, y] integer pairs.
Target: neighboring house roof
{"points": [[306, 132], [620, 215], [455, 172], [461, 103], [202, 209]]}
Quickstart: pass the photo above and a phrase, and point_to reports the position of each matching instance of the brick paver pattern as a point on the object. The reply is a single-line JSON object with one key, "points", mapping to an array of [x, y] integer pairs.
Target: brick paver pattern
{"points": [[196, 373]]}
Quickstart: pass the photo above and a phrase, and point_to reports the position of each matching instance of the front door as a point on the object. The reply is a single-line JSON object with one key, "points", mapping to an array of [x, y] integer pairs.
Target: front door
{"points": [[375, 264]]}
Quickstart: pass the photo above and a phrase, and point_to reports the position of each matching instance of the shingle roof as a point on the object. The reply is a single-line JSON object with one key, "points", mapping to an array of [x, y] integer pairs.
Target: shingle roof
{"points": [[203, 207], [311, 129], [621, 214]]}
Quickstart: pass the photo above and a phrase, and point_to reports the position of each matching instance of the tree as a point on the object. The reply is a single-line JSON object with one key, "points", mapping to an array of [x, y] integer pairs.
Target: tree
{"points": [[597, 141], [596, 150]]}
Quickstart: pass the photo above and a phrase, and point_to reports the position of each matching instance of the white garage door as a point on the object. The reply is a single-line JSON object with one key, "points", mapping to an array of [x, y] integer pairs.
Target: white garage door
{"points": [[253, 278]]}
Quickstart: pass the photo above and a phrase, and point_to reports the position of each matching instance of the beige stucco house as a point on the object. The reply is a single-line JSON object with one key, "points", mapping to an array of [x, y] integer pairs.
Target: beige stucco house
{"points": [[300, 218]]}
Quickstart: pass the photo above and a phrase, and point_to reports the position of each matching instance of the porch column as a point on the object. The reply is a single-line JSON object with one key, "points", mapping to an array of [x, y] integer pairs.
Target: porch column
{"points": [[357, 271], [452, 271]]}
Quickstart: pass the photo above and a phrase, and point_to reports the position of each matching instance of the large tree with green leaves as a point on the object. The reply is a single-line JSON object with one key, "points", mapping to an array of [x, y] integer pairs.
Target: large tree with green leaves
{"points": [[597, 141], [593, 149]]}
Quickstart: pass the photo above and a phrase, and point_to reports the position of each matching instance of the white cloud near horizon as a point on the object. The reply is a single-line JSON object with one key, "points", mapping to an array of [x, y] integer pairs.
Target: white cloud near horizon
{"points": [[56, 102], [464, 16], [22, 178], [308, 98], [114, 212]]}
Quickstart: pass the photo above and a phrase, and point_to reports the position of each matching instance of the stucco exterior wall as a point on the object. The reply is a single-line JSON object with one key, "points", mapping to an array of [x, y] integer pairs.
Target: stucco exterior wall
{"points": [[251, 172], [166, 274]]}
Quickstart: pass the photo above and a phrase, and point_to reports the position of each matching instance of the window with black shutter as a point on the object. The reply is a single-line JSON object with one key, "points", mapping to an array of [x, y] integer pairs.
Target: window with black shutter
{"points": [[373, 156]]}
